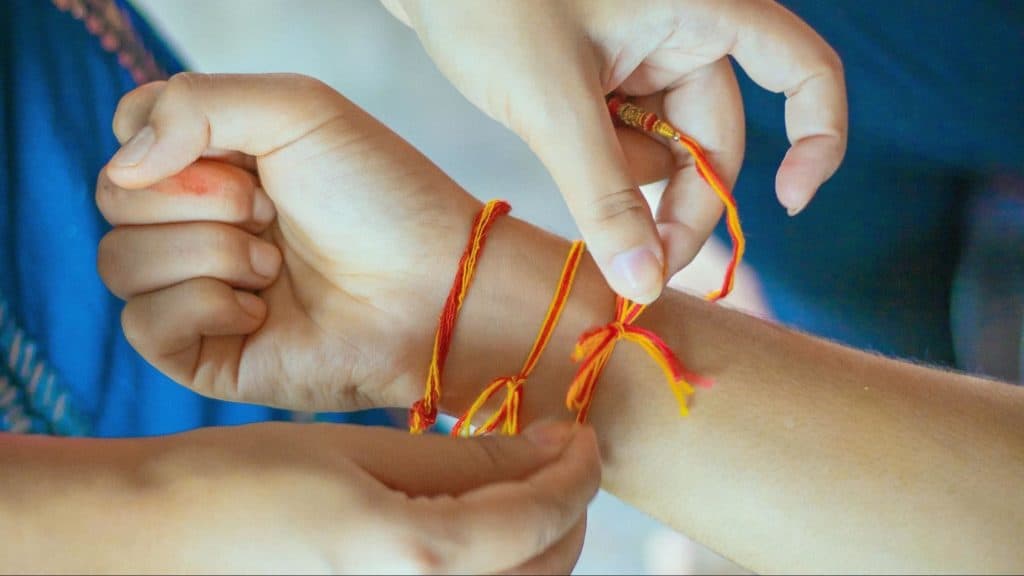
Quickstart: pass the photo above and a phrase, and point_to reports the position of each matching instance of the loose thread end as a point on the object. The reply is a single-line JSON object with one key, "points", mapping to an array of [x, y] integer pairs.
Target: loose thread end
{"points": [[421, 417]]}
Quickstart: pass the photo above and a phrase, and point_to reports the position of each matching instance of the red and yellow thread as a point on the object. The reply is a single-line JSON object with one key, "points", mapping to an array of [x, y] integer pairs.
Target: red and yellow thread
{"points": [[595, 347], [632, 115], [507, 416], [423, 413]]}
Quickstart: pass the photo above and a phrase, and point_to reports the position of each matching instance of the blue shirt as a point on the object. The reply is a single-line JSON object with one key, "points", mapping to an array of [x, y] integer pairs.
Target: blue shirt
{"points": [[936, 96], [66, 367]]}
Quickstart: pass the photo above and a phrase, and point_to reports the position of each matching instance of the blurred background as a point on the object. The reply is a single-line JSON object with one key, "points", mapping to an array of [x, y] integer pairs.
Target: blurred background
{"points": [[359, 49]]}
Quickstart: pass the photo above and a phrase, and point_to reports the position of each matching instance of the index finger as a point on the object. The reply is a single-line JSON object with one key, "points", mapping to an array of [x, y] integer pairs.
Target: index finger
{"points": [[781, 53]]}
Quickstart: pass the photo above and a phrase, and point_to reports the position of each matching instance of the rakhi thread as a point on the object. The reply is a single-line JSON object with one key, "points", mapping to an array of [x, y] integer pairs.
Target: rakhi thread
{"points": [[634, 116], [423, 413], [507, 416], [595, 347]]}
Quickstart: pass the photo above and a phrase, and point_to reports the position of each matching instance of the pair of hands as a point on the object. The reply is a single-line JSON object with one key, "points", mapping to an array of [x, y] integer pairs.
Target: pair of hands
{"points": [[275, 244], [311, 144], [267, 231], [280, 498]]}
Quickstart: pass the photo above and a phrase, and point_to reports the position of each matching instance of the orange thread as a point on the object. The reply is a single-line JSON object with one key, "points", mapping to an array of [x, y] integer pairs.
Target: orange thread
{"points": [[507, 416], [423, 413], [632, 115], [595, 347]]}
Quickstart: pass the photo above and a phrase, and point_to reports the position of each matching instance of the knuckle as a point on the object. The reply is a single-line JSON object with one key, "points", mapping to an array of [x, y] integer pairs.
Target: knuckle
{"points": [[238, 204], [226, 250], [129, 104], [108, 259], [487, 451], [614, 207], [318, 94], [308, 83], [182, 95], [834, 62], [185, 85], [133, 323]]}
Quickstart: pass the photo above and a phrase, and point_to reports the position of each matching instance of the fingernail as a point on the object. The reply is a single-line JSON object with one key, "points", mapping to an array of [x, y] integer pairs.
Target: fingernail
{"points": [[793, 211], [549, 435], [640, 272], [265, 258], [262, 207], [250, 303], [135, 149]]}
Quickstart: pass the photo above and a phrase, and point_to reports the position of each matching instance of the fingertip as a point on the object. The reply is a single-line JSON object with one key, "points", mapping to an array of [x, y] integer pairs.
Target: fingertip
{"points": [[807, 165], [795, 185], [135, 150], [252, 305], [619, 229], [638, 273], [126, 167], [794, 189], [264, 258], [263, 210]]}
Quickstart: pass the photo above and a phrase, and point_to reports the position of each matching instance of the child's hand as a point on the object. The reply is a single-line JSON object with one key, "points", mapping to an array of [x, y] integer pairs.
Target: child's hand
{"points": [[288, 498], [328, 303], [542, 68]]}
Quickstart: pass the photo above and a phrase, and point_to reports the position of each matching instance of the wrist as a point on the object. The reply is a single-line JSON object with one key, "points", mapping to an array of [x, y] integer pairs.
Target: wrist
{"points": [[516, 278], [72, 503]]}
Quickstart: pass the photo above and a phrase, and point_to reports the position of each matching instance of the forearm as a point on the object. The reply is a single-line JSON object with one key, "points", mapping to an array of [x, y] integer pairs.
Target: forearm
{"points": [[78, 505], [803, 456]]}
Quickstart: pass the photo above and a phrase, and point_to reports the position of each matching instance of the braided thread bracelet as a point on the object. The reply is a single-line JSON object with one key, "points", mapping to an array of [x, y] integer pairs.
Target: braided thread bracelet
{"points": [[507, 416], [423, 413]]}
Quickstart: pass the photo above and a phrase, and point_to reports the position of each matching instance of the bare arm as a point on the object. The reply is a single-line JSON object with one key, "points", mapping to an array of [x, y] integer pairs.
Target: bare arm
{"points": [[76, 504], [804, 456], [242, 499]]}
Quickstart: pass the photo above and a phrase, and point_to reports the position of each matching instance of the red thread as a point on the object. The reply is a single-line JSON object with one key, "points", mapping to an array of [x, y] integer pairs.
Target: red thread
{"points": [[630, 114], [508, 414], [594, 349], [423, 413]]}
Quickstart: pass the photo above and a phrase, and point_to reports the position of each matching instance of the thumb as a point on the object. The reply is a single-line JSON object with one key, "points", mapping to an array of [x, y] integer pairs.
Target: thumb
{"points": [[170, 125], [580, 149], [487, 504]]}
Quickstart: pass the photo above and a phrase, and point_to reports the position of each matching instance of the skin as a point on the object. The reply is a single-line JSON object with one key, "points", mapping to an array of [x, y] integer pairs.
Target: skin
{"points": [[288, 498], [804, 456], [543, 68]]}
